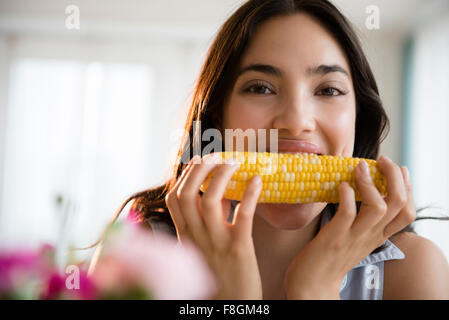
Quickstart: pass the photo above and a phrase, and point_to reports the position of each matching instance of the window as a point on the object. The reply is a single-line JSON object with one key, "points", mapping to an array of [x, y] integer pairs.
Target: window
{"points": [[427, 129], [75, 148]]}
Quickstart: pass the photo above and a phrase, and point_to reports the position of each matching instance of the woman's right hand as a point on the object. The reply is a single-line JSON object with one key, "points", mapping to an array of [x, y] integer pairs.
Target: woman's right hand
{"points": [[227, 247]]}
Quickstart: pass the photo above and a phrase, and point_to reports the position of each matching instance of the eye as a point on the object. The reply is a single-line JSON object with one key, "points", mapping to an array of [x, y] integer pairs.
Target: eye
{"points": [[331, 92], [259, 88]]}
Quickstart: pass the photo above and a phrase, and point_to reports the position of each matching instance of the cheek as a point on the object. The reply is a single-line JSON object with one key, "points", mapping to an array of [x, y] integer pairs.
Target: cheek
{"points": [[339, 128], [245, 113]]}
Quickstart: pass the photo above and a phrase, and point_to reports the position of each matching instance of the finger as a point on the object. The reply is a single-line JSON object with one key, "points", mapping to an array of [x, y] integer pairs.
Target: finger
{"points": [[188, 197], [172, 203], [397, 193], [347, 209], [408, 214], [211, 205], [373, 206], [244, 211]]}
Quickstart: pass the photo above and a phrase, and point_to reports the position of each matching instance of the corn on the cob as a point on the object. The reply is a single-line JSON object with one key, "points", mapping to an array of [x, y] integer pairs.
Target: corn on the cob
{"points": [[295, 178]]}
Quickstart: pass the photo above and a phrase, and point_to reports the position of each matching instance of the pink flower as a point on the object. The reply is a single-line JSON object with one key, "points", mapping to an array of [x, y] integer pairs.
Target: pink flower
{"points": [[23, 272], [158, 264], [15, 268]]}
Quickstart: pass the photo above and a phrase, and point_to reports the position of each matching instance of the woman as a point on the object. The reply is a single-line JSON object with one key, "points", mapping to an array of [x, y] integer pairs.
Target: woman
{"points": [[298, 67]]}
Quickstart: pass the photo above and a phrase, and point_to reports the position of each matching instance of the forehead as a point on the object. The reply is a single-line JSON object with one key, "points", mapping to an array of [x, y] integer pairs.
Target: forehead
{"points": [[294, 42]]}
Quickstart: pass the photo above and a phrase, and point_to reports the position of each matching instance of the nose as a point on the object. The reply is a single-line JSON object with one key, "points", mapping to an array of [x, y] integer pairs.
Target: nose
{"points": [[297, 116]]}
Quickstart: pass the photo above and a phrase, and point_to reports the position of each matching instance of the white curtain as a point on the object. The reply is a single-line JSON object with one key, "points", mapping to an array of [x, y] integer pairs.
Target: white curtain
{"points": [[74, 146], [428, 135]]}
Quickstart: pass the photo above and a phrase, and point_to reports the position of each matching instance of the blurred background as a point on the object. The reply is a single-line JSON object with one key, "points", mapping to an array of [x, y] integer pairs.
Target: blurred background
{"points": [[91, 112]]}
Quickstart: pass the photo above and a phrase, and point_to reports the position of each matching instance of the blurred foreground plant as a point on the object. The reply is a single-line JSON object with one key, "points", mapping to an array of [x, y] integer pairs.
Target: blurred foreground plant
{"points": [[132, 264]]}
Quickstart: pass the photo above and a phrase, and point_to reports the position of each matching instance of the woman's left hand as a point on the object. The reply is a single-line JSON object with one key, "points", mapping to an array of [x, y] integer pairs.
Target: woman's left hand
{"points": [[318, 270]]}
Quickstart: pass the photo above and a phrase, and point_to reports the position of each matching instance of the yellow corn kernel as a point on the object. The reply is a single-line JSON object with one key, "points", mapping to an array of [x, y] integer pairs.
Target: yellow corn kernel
{"points": [[295, 178]]}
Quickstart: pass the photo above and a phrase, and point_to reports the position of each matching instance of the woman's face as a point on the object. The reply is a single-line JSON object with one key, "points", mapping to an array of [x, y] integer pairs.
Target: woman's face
{"points": [[295, 78]]}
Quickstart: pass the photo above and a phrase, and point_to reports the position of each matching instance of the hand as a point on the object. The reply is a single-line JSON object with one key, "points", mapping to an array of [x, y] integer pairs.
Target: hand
{"points": [[318, 270], [228, 248]]}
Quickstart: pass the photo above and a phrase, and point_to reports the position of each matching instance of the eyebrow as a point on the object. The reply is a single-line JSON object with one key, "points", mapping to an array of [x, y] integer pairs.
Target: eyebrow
{"points": [[325, 69], [274, 71]]}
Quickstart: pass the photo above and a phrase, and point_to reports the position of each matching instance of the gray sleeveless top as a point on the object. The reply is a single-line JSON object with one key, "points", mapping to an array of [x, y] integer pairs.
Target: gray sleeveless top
{"points": [[363, 282]]}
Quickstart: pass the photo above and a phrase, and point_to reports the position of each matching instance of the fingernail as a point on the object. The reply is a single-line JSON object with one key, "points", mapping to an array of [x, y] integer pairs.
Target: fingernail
{"points": [[231, 161], [365, 169], [384, 158], [195, 160], [211, 158], [257, 180], [407, 175], [343, 185], [257, 183]]}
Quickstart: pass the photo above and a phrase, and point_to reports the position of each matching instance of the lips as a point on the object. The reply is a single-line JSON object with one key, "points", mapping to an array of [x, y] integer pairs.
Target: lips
{"points": [[298, 146]]}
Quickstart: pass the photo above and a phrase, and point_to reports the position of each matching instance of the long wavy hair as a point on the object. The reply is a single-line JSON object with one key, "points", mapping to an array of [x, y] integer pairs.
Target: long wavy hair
{"points": [[217, 77]]}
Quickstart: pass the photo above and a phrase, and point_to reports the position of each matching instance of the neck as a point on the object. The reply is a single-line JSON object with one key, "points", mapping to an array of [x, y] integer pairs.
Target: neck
{"points": [[275, 250]]}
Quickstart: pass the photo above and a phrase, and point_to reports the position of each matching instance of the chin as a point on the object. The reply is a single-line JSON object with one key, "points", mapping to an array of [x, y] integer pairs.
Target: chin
{"points": [[290, 216]]}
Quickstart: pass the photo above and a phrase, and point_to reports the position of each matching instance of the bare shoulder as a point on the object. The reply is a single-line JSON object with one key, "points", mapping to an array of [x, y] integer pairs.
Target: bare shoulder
{"points": [[423, 274]]}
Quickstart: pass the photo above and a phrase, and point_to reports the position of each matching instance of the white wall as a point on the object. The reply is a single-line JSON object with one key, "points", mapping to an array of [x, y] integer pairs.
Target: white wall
{"points": [[4, 87], [384, 53]]}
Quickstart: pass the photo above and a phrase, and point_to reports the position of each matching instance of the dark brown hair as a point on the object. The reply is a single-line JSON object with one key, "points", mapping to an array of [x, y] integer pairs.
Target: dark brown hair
{"points": [[218, 75]]}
